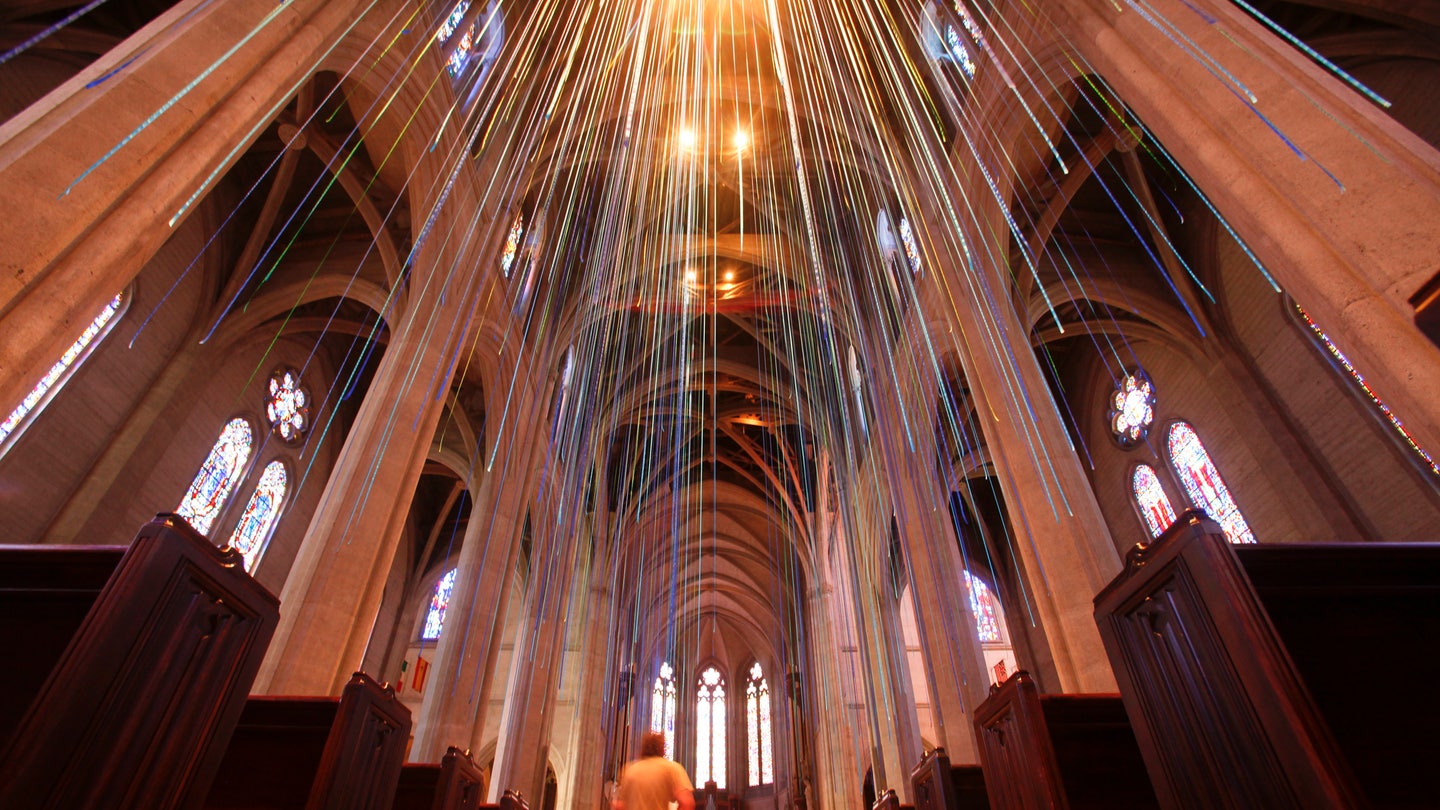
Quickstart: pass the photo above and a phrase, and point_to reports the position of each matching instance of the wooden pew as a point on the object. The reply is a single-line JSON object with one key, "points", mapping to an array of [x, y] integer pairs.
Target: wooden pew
{"points": [[969, 783], [510, 800], [889, 800], [456, 783], [316, 753], [1282, 675], [45, 594], [129, 706], [942, 786], [1058, 751]]}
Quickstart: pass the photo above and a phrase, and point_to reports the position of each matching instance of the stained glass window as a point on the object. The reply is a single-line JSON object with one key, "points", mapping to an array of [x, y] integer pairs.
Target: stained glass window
{"points": [[885, 236], [67, 360], [1151, 498], [959, 52], [452, 22], [982, 604], [512, 244], [460, 54], [1132, 409], [912, 250], [1203, 484], [439, 602], [971, 27], [217, 476], [1359, 378], [710, 728], [662, 707], [757, 727], [256, 523], [288, 405]]}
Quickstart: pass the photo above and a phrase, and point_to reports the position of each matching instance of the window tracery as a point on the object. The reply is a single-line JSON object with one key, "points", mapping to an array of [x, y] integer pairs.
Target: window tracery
{"points": [[512, 244], [757, 726], [662, 707], [217, 476], [1132, 409], [710, 750], [912, 249], [288, 405], [439, 603], [982, 604], [54, 378], [1150, 498], [1354, 373], [1203, 484], [258, 521]]}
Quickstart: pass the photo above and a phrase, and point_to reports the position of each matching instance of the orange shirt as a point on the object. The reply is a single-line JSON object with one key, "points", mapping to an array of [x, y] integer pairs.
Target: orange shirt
{"points": [[651, 783]]}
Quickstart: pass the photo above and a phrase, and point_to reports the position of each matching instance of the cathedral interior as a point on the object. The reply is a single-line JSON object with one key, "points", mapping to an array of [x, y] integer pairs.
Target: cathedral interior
{"points": [[778, 374]]}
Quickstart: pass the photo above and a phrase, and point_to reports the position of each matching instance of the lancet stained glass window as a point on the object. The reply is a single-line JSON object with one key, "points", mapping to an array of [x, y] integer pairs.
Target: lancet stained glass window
{"points": [[217, 476], [959, 52], [452, 22], [710, 728], [1151, 498], [439, 602], [95, 330], [256, 524], [982, 604], [460, 54], [912, 249], [757, 727], [1203, 484], [288, 405], [1359, 378], [662, 707], [971, 27], [512, 244]]}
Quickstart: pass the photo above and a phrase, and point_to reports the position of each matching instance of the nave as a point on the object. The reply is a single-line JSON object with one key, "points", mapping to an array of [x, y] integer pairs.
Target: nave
{"points": [[798, 379]]}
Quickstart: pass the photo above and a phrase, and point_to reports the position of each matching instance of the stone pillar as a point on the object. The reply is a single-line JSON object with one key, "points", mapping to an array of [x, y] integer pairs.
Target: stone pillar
{"points": [[837, 782], [456, 701], [595, 697], [1340, 203], [524, 745], [91, 187], [949, 640], [599, 689], [890, 701], [1061, 538], [336, 584]]}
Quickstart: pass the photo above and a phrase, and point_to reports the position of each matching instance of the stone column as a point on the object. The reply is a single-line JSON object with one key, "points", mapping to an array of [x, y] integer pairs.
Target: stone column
{"points": [[599, 687], [894, 728], [596, 695], [92, 181], [456, 701], [336, 584], [837, 782], [1061, 538], [949, 640], [523, 748], [1340, 202]]}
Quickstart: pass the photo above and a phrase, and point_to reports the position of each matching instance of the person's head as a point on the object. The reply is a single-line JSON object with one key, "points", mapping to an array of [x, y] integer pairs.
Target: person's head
{"points": [[652, 744]]}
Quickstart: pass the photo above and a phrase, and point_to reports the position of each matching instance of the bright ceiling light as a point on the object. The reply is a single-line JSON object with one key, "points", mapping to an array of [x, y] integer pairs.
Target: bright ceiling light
{"points": [[741, 140], [686, 139]]}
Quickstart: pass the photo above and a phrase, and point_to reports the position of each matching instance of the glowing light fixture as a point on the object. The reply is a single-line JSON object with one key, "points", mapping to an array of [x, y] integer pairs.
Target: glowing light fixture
{"points": [[741, 140], [686, 139]]}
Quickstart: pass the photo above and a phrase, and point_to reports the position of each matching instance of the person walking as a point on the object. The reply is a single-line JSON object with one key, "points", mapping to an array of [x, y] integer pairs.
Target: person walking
{"points": [[652, 782]]}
